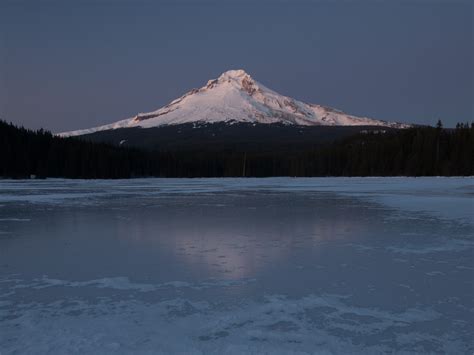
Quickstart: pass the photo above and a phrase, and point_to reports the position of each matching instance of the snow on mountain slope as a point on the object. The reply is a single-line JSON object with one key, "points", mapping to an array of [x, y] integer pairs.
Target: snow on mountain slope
{"points": [[236, 97]]}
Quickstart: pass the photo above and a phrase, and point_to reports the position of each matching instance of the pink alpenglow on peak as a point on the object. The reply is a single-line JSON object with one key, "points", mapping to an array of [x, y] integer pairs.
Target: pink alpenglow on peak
{"points": [[236, 97]]}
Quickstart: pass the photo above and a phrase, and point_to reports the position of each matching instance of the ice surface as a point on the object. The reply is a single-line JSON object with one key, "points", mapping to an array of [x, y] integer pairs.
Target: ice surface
{"points": [[213, 266]]}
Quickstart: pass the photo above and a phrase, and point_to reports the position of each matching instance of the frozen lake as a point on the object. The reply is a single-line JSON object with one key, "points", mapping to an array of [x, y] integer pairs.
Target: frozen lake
{"points": [[279, 265]]}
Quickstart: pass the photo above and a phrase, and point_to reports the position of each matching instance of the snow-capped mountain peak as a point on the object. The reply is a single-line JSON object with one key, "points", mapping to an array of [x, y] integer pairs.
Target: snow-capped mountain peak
{"points": [[236, 97], [234, 74]]}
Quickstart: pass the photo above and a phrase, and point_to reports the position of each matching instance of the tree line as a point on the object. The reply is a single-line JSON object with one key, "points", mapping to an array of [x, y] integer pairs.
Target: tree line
{"points": [[417, 151]]}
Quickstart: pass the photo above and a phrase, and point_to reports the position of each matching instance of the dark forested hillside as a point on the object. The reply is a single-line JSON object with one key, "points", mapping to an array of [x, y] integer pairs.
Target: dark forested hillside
{"points": [[415, 152], [25, 152]]}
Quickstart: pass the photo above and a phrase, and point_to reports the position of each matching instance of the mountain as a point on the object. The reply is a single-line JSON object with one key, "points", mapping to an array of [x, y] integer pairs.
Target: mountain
{"points": [[235, 97]]}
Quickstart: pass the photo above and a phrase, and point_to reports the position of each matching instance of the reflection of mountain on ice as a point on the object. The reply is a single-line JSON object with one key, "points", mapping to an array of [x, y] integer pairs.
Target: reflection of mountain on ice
{"points": [[213, 241]]}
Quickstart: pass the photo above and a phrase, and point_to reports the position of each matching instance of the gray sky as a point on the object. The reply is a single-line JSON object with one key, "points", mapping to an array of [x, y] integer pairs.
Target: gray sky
{"points": [[76, 64]]}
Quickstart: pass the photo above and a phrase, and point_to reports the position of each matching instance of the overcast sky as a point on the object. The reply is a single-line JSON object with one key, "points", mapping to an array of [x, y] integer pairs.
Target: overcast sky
{"points": [[76, 64]]}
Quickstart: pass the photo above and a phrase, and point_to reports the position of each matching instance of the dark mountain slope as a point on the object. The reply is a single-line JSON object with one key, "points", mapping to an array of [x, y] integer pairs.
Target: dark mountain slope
{"points": [[224, 136]]}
